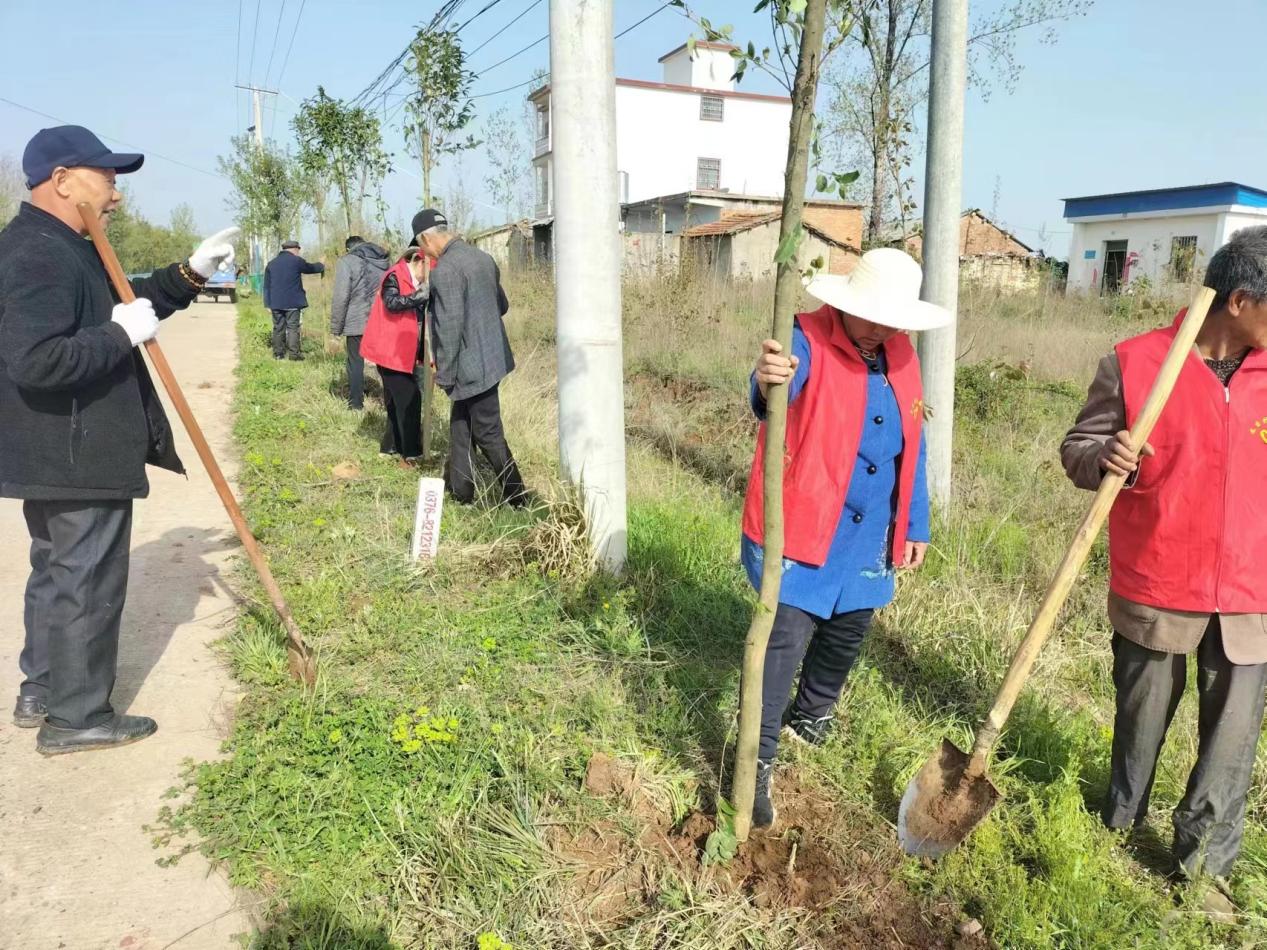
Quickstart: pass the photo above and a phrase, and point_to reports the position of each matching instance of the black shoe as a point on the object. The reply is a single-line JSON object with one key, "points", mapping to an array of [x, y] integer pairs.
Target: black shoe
{"points": [[763, 810], [807, 729], [121, 730], [29, 712]]}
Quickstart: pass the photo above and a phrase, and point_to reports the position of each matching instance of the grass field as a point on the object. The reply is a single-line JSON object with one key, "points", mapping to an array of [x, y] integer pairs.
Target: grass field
{"points": [[507, 750]]}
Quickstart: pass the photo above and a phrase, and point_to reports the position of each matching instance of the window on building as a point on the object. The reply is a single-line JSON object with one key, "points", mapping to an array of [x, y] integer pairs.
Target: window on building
{"points": [[1183, 252], [543, 190], [712, 108], [543, 124], [708, 174]]}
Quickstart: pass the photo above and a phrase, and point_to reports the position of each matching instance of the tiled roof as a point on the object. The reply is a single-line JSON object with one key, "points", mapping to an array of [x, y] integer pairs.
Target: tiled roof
{"points": [[732, 223], [736, 222]]}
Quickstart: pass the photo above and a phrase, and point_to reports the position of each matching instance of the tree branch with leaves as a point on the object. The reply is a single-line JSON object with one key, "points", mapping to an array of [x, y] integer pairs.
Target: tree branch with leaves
{"points": [[343, 144], [439, 107]]}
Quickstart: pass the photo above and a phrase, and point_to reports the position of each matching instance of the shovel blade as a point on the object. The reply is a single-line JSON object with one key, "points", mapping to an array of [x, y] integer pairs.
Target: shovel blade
{"points": [[943, 803]]}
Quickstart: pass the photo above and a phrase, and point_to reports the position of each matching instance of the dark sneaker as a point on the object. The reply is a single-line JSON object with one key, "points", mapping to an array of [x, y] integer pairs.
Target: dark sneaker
{"points": [[29, 712], [806, 729], [763, 810], [121, 730]]}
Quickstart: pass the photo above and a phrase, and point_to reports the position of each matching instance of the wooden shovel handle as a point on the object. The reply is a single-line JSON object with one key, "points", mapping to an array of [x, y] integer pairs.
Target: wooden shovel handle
{"points": [[124, 289], [1058, 592]]}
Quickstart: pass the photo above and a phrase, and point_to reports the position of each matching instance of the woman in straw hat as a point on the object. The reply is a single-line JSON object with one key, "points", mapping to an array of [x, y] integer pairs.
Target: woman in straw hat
{"points": [[855, 495]]}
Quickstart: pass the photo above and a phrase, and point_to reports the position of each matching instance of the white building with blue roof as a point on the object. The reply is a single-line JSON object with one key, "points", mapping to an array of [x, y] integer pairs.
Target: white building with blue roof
{"points": [[1166, 234]]}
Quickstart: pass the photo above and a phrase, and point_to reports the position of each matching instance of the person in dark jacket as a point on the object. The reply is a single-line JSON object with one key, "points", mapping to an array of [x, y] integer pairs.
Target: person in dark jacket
{"points": [[472, 355], [284, 295], [357, 277], [79, 421]]}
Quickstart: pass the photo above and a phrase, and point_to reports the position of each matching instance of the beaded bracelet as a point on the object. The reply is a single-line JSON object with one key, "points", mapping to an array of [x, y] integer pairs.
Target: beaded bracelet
{"points": [[194, 278]]}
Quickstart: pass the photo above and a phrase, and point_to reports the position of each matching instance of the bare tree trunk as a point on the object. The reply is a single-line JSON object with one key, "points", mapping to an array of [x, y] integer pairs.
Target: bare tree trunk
{"points": [[879, 177], [426, 169], [882, 129], [786, 292], [343, 193]]}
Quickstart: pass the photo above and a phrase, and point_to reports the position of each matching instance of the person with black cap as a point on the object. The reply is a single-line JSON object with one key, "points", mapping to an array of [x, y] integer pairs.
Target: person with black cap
{"points": [[472, 355], [284, 295], [79, 421]]}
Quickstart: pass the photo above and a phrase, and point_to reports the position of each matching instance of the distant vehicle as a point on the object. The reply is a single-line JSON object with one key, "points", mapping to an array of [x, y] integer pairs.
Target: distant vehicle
{"points": [[223, 283]]}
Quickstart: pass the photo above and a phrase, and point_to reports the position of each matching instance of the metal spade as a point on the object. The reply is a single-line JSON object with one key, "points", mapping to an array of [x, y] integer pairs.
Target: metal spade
{"points": [[951, 793]]}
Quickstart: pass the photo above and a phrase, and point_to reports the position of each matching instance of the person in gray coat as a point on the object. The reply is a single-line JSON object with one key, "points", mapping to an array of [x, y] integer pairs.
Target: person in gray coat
{"points": [[357, 278], [472, 355]]}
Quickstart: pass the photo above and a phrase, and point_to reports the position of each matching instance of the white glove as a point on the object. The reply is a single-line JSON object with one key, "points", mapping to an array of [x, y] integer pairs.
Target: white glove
{"points": [[137, 318], [215, 253]]}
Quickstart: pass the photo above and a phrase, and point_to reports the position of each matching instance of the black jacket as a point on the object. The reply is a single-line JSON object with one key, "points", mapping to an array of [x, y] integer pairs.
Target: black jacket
{"points": [[79, 417], [397, 302], [284, 283]]}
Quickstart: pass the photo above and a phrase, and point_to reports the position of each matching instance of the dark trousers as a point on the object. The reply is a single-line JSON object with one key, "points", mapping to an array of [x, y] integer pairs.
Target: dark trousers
{"points": [[74, 601], [403, 400], [825, 650], [1210, 819], [356, 373], [477, 421], [286, 333]]}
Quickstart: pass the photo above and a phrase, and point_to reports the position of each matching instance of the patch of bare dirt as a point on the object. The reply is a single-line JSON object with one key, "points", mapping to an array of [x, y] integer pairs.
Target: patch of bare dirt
{"points": [[852, 897]]}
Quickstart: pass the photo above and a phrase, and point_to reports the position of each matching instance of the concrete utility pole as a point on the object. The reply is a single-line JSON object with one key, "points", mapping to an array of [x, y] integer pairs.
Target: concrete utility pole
{"points": [[587, 267], [943, 188], [257, 257]]}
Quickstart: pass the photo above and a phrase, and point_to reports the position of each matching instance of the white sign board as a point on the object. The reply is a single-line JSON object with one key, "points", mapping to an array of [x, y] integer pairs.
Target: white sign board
{"points": [[427, 520]]}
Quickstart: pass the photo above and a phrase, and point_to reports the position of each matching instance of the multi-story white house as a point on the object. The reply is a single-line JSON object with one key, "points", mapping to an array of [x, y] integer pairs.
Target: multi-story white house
{"points": [[691, 132]]}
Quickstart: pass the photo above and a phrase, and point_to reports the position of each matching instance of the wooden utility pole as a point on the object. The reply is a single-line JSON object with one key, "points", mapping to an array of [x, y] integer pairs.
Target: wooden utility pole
{"points": [[787, 289], [943, 187], [587, 260]]}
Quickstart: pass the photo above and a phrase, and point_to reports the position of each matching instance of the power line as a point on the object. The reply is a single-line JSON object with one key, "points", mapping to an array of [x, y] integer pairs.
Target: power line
{"points": [[485, 95], [277, 31], [642, 21], [293, 34], [531, 6], [485, 9], [628, 29], [501, 62], [378, 86], [147, 152], [255, 33], [237, 66]]}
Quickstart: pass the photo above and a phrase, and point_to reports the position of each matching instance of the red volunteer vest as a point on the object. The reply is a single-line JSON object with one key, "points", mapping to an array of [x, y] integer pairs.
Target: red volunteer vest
{"points": [[1191, 533], [391, 339], [824, 429]]}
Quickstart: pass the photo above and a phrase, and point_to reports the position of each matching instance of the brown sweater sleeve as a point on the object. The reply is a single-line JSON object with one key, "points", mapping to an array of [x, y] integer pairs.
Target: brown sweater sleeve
{"points": [[1101, 418]]}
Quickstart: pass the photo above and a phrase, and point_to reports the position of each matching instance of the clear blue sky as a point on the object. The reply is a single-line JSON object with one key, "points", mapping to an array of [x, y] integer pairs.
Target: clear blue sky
{"points": [[1135, 95]]}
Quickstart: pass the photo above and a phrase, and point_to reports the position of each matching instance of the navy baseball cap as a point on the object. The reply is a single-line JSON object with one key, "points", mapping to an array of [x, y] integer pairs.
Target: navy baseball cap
{"points": [[72, 146]]}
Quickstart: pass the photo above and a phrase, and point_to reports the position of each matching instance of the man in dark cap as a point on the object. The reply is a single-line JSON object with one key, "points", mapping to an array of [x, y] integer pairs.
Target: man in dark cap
{"points": [[284, 295], [472, 354], [79, 420]]}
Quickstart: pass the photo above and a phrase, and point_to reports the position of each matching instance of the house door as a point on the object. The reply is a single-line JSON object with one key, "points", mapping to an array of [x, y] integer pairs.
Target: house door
{"points": [[1114, 264]]}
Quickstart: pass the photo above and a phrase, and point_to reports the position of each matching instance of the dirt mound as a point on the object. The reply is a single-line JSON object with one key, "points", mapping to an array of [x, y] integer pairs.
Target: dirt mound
{"points": [[852, 898]]}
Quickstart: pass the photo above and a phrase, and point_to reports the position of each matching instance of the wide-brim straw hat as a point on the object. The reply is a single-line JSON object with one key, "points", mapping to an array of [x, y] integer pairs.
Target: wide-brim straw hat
{"points": [[883, 288]]}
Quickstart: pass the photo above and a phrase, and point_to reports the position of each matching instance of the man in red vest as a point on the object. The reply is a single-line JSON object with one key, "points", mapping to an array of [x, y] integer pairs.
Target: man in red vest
{"points": [[855, 499], [1186, 541]]}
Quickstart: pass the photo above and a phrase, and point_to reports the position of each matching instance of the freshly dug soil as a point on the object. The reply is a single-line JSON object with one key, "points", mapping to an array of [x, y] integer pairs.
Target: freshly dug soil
{"points": [[851, 898]]}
